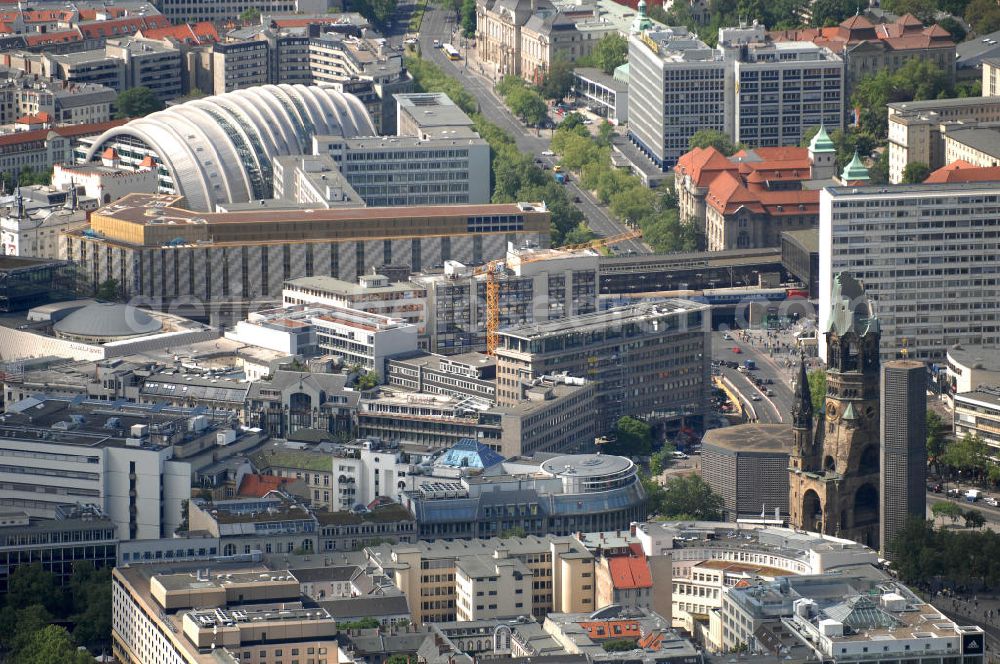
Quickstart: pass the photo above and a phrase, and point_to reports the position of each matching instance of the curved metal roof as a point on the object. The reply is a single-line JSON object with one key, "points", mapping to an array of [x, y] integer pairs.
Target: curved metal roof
{"points": [[220, 149], [108, 320]]}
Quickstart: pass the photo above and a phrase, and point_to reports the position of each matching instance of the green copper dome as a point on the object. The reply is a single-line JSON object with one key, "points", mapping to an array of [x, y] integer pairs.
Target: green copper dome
{"points": [[855, 171], [641, 22], [821, 142]]}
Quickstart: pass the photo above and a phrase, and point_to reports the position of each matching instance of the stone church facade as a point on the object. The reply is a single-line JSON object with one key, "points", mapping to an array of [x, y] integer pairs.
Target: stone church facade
{"points": [[834, 462]]}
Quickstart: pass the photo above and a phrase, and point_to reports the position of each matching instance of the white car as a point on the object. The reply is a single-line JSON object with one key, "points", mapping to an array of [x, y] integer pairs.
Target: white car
{"points": [[437, 43], [588, 122], [754, 397], [991, 501], [548, 153], [411, 40]]}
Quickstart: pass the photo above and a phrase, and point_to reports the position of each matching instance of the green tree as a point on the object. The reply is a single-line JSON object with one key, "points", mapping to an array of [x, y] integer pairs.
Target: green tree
{"points": [[953, 7], [618, 645], [137, 102], [468, 18], [571, 121], [689, 497], [922, 9], [558, 79], [953, 26], [364, 623], [30, 584], [398, 659], [367, 380], [378, 12], [917, 79], [832, 12], [19, 623], [108, 290], [983, 16], [947, 510], [527, 105], [52, 645], [704, 138], [251, 15], [879, 170], [937, 432], [661, 459], [970, 453], [633, 437], [580, 234], [90, 590], [610, 52], [974, 519], [817, 389], [916, 172]]}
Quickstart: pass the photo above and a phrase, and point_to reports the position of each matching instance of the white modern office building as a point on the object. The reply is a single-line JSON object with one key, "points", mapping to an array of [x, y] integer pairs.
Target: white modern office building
{"points": [[757, 91], [134, 480], [927, 255]]}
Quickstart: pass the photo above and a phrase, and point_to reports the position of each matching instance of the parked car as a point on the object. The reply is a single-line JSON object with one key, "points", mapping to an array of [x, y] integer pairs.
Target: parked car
{"points": [[576, 199], [991, 501], [737, 350], [547, 153]]}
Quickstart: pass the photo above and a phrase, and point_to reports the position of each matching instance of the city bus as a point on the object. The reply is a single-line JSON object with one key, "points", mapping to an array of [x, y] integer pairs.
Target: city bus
{"points": [[451, 52]]}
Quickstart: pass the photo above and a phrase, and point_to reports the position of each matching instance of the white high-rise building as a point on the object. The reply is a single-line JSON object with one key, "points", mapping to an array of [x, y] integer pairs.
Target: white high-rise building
{"points": [[759, 92], [928, 255]]}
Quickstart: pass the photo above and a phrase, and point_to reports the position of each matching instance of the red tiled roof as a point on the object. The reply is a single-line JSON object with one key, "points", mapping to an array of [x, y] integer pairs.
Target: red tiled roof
{"points": [[197, 33], [703, 164], [612, 629], [89, 129], [66, 131], [258, 486], [123, 26], [38, 118], [304, 22], [906, 33], [61, 37], [963, 171], [628, 572]]}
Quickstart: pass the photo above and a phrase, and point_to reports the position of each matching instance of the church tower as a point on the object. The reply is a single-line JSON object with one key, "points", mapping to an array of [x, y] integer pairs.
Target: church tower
{"points": [[802, 422], [834, 489]]}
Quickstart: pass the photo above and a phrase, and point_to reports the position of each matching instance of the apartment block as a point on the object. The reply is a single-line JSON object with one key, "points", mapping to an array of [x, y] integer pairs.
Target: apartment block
{"points": [[648, 360], [560, 572], [27, 94], [239, 65], [149, 64], [927, 256]]}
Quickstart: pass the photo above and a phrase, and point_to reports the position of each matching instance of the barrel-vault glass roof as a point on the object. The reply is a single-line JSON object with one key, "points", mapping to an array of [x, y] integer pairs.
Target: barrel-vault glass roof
{"points": [[219, 149]]}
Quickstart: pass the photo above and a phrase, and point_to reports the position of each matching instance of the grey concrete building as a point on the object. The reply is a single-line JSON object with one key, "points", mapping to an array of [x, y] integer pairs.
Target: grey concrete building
{"points": [[748, 466], [649, 360], [904, 448]]}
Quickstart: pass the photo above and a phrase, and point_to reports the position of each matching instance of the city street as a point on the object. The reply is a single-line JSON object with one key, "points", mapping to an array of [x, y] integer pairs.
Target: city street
{"points": [[770, 410], [440, 24]]}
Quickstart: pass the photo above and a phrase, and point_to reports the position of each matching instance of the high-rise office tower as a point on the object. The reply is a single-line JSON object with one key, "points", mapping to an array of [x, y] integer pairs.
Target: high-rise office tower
{"points": [[904, 448]]}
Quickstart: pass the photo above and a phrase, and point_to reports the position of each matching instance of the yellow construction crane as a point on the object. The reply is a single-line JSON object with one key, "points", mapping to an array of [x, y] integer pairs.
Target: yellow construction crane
{"points": [[493, 269]]}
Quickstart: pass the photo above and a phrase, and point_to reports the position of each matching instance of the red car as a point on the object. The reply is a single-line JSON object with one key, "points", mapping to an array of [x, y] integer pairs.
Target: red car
{"points": [[736, 349]]}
